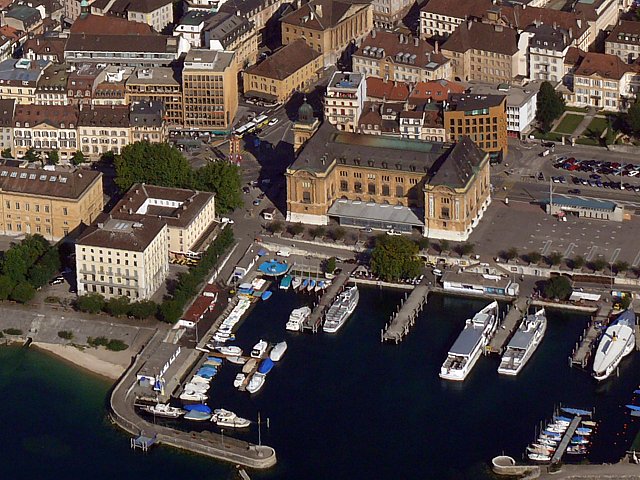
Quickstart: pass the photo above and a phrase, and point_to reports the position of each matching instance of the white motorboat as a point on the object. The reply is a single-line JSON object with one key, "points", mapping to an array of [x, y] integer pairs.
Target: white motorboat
{"points": [[191, 396], [196, 387], [256, 382], [240, 377], [237, 360], [297, 318], [199, 379], [524, 342], [341, 309], [618, 341], [278, 351], [163, 410], [259, 349], [230, 350], [296, 282], [226, 418], [468, 347], [539, 457]]}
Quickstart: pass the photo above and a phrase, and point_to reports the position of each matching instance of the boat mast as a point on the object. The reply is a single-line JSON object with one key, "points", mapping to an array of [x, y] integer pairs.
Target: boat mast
{"points": [[259, 431]]}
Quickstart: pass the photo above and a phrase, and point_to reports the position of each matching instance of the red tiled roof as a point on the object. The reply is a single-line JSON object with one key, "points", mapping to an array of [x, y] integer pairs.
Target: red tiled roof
{"points": [[604, 65], [436, 90], [387, 90], [97, 25]]}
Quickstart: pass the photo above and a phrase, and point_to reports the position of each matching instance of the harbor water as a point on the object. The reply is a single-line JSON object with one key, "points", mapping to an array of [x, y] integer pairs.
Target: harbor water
{"points": [[336, 406]]}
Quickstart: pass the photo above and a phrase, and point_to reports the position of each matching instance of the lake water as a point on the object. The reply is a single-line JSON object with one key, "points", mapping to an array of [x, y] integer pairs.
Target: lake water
{"points": [[337, 406]]}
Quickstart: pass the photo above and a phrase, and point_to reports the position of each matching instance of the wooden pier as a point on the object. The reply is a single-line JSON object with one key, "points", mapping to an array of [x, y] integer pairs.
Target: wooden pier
{"points": [[508, 326], [564, 443], [314, 321], [589, 338], [406, 315]]}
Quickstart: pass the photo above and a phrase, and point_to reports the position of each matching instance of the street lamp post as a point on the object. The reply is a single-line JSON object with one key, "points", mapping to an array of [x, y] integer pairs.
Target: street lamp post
{"points": [[222, 433]]}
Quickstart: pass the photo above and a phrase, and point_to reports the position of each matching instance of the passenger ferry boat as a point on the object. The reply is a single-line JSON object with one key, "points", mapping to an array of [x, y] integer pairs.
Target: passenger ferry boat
{"points": [[524, 342], [468, 347], [617, 342], [341, 309]]}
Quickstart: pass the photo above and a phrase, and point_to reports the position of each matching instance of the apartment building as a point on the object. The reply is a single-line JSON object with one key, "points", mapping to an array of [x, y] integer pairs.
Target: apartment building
{"points": [[600, 15], [624, 41], [436, 91], [45, 128], [399, 57], [232, 33], [380, 182], [24, 18], [548, 47], [49, 48], [292, 68], [387, 14], [257, 12], [487, 53], [110, 86], [155, 13], [147, 122], [482, 118], [19, 79], [328, 26], [379, 90], [343, 100], [52, 204], [157, 85], [190, 27], [425, 123], [210, 90], [122, 257], [102, 129], [7, 107], [189, 214], [440, 18]]}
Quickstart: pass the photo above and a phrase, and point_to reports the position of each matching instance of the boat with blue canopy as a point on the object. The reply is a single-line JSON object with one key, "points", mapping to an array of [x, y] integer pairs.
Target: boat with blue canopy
{"points": [[285, 283], [197, 407], [273, 268], [265, 366], [266, 295], [576, 411]]}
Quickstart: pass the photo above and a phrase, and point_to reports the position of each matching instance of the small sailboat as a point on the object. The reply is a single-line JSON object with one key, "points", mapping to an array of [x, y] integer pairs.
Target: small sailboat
{"points": [[163, 410], [576, 411], [285, 283], [312, 285], [226, 418], [266, 295], [278, 351], [191, 396], [296, 282], [237, 360], [240, 378], [197, 416], [305, 284], [230, 350], [319, 286], [256, 382]]}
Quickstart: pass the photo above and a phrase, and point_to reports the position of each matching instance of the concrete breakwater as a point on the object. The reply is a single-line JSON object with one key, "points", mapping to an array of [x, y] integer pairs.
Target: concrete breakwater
{"points": [[226, 448]]}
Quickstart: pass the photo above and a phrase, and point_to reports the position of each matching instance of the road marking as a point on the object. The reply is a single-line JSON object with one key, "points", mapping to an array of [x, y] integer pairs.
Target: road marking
{"points": [[636, 261], [569, 251], [546, 247], [614, 255], [591, 253]]}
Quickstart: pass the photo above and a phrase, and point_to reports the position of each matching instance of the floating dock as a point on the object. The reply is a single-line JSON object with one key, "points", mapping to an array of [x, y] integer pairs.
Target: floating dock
{"points": [[407, 314], [589, 338], [143, 442], [314, 321], [564, 443], [508, 326]]}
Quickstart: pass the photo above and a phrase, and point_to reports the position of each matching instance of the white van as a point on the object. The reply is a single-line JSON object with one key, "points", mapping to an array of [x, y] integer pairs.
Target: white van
{"points": [[283, 253]]}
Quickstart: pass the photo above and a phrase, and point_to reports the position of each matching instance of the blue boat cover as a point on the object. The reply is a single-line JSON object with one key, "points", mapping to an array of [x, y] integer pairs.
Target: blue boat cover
{"points": [[633, 407], [273, 267], [575, 411], [267, 295], [198, 407], [216, 360], [265, 366], [636, 392]]}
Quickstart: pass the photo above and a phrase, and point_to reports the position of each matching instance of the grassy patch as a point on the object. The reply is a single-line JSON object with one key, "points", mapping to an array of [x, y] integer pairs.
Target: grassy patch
{"points": [[65, 334], [116, 345], [588, 141], [52, 299], [569, 123], [12, 331], [555, 137], [577, 109], [596, 127]]}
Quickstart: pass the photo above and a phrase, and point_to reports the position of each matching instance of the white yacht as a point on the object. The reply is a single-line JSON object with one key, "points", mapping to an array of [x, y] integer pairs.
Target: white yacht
{"points": [[341, 309], [191, 396], [256, 382], [278, 351], [297, 318], [230, 350], [617, 342], [259, 349], [524, 342], [239, 380], [163, 410], [226, 418], [468, 347]]}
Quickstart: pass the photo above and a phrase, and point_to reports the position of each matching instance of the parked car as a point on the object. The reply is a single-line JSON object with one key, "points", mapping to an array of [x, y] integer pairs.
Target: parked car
{"points": [[256, 202], [57, 281], [393, 232], [273, 121], [227, 220], [575, 191]]}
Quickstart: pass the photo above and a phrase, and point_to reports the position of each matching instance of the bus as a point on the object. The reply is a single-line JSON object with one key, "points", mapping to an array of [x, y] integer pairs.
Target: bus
{"points": [[240, 131], [261, 120]]}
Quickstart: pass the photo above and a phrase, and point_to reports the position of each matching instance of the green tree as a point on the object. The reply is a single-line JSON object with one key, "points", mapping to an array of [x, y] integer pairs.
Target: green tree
{"points": [[153, 163], [6, 286], [337, 233], [90, 303], [465, 249], [78, 158], [611, 133], [632, 118], [533, 257], [225, 180], [625, 302], [32, 155], [578, 262], [143, 309], [598, 264], [395, 257], [318, 231], [170, 311], [510, 254], [444, 245], [550, 106], [554, 258], [22, 292], [45, 268], [558, 287], [621, 266], [6, 153], [53, 157], [330, 265], [423, 243], [275, 226], [117, 306], [295, 229]]}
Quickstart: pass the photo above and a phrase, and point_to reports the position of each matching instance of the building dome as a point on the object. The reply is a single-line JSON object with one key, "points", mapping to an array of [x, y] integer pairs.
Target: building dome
{"points": [[305, 113], [84, 4]]}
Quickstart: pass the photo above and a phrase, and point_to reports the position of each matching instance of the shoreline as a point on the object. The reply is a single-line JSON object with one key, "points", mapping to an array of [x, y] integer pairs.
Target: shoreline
{"points": [[82, 360]]}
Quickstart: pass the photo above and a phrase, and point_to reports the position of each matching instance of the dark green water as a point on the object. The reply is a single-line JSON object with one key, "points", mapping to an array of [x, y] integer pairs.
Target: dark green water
{"points": [[339, 406]]}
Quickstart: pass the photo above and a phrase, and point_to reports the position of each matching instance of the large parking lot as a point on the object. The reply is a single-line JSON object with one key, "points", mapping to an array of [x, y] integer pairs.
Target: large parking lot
{"points": [[598, 173]]}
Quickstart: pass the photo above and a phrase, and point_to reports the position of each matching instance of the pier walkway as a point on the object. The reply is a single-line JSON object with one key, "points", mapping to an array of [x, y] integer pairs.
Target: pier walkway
{"points": [[564, 443], [226, 448], [583, 350], [314, 321], [508, 326], [407, 314]]}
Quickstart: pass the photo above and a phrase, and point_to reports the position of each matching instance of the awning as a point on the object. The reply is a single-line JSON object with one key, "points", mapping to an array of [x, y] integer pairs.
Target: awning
{"points": [[384, 213]]}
